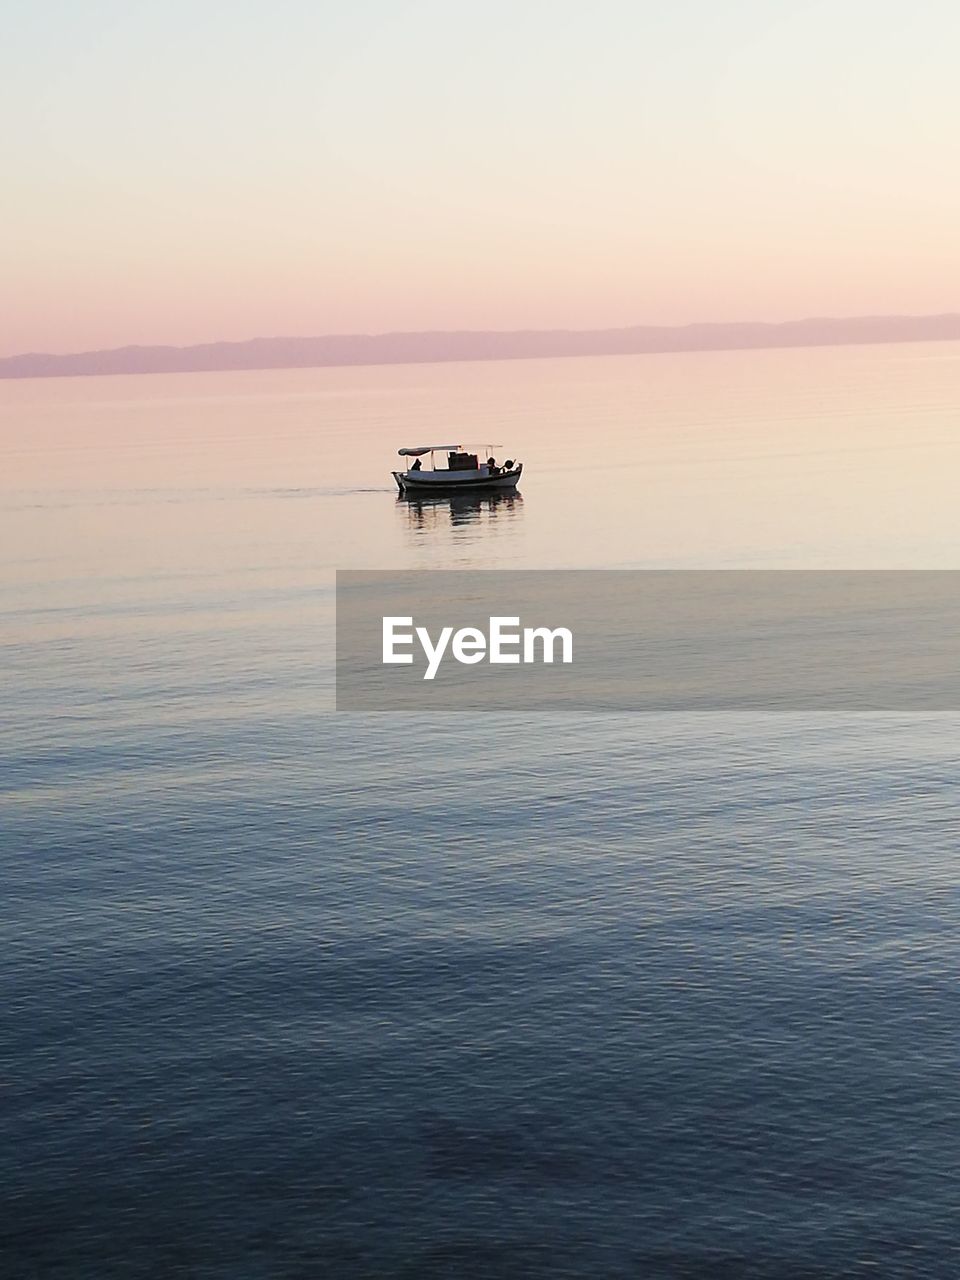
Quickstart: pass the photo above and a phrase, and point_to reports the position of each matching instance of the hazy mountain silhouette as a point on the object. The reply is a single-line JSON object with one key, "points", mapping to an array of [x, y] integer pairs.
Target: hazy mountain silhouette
{"points": [[414, 348]]}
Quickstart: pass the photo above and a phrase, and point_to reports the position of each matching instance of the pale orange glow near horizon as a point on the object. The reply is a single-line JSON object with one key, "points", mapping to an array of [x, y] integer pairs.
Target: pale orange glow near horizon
{"points": [[177, 178]]}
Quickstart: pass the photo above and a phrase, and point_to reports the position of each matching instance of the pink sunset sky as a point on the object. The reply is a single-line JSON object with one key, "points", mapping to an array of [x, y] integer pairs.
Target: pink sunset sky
{"points": [[185, 172]]}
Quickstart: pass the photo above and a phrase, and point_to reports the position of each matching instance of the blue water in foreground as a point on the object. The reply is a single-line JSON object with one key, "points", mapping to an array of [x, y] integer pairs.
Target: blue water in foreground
{"points": [[287, 993]]}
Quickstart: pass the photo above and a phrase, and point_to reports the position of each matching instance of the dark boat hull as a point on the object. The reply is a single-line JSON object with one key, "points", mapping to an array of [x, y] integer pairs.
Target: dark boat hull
{"points": [[410, 482]]}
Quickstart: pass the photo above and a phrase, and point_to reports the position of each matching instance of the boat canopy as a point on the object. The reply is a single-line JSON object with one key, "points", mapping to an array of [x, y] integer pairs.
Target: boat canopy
{"points": [[421, 449]]}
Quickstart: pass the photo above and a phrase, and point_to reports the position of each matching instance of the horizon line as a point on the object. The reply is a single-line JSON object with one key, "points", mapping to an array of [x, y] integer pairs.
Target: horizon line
{"points": [[425, 346]]}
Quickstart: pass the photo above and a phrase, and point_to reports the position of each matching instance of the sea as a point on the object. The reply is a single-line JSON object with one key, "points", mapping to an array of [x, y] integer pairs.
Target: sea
{"points": [[288, 992]]}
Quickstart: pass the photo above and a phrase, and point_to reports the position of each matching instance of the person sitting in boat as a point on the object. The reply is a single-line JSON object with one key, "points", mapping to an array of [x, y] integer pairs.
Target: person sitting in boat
{"points": [[492, 467], [416, 465]]}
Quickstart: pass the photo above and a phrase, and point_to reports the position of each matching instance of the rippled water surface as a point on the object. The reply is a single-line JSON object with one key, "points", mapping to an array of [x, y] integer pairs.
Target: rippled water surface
{"points": [[291, 994]]}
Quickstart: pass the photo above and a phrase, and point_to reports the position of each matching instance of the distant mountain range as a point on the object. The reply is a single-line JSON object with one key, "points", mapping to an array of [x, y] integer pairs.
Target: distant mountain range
{"points": [[417, 348]]}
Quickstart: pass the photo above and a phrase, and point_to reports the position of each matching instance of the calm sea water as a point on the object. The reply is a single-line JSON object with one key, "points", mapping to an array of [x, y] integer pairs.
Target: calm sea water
{"points": [[293, 994]]}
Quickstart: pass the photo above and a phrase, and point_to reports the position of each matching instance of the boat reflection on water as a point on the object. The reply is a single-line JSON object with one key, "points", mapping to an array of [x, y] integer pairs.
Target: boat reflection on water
{"points": [[426, 512]]}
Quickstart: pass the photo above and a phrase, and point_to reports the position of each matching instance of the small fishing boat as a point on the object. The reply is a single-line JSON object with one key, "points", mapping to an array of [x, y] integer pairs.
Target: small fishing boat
{"points": [[464, 471]]}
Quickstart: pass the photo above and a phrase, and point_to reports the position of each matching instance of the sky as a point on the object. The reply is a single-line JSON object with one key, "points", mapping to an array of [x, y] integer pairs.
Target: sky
{"points": [[181, 171]]}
